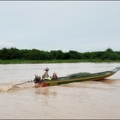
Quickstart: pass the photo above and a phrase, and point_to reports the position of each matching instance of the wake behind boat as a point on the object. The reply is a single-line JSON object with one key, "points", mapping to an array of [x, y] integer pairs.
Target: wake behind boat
{"points": [[77, 77]]}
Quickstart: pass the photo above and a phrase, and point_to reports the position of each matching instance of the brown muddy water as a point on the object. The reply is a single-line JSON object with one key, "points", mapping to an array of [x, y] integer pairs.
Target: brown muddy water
{"points": [[92, 99]]}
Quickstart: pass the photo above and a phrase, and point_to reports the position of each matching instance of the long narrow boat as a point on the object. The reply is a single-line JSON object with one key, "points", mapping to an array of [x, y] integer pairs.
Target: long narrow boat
{"points": [[77, 77]]}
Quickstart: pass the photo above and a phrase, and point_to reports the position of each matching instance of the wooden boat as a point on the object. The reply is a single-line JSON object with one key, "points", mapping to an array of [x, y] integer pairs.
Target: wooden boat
{"points": [[77, 77]]}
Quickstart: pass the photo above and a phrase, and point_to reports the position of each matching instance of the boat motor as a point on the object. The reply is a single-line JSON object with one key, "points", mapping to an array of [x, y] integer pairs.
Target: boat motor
{"points": [[37, 79]]}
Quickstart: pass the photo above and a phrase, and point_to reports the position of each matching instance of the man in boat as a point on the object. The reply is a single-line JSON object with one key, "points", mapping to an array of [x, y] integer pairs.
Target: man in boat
{"points": [[46, 75], [54, 77]]}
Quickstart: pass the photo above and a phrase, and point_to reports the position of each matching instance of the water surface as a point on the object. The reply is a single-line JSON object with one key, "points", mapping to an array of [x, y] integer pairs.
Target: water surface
{"points": [[91, 99]]}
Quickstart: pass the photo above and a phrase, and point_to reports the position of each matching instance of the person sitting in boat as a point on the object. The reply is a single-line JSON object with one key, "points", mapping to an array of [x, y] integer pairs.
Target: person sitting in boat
{"points": [[45, 76], [54, 76]]}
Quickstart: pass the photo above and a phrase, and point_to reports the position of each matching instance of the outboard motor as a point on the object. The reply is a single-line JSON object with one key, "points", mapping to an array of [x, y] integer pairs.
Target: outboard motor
{"points": [[37, 79]]}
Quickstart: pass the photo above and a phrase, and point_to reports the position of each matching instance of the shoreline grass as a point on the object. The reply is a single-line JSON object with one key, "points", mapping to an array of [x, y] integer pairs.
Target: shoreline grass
{"points": [[17, 61]]}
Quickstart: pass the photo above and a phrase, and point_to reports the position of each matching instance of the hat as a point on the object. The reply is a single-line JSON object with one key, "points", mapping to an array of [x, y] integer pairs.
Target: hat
{"points": [[46, 69]]}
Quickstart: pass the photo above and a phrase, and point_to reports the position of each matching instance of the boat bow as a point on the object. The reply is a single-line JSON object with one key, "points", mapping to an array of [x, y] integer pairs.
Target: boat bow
{"points": [[116, 69]]}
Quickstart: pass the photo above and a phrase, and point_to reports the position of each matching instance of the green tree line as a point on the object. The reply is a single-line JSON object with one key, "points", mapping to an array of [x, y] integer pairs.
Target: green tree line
{"points": [[35, 54]]}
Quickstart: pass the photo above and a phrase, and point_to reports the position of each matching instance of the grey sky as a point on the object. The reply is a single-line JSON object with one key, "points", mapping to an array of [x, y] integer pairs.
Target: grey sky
{"points": [[65, 25]]}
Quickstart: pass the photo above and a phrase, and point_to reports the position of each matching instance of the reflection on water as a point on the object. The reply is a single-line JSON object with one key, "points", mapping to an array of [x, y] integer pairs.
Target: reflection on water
{"points": [[108, 81], [88, 100], [91, 85], [45, 91]]}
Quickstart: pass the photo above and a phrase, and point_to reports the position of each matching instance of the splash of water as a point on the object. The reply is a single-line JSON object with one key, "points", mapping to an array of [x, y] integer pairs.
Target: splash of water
{"points": [[8, 87]]}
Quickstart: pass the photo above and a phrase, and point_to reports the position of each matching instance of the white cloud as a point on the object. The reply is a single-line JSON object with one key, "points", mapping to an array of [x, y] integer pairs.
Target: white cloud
{"points": [[6, 44]]}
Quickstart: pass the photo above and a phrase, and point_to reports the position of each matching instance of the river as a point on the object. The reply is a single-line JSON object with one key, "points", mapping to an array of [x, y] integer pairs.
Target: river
{"points": [[83, 100]]}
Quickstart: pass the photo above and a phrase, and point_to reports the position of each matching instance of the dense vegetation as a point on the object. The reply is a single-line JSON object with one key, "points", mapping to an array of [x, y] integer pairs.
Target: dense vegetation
{"points": [[7, 54]]}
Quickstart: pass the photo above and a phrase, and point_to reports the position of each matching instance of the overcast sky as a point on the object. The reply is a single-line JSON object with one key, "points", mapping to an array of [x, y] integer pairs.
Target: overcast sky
{"points": [[60, 25]]}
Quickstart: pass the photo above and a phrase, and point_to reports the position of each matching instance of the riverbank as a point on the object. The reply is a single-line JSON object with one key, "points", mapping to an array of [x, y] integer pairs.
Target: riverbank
{"points": [[17, 61]]}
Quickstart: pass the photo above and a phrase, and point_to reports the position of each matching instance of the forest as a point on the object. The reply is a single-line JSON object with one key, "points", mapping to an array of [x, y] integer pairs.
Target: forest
{"points": [[35, 54]]}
